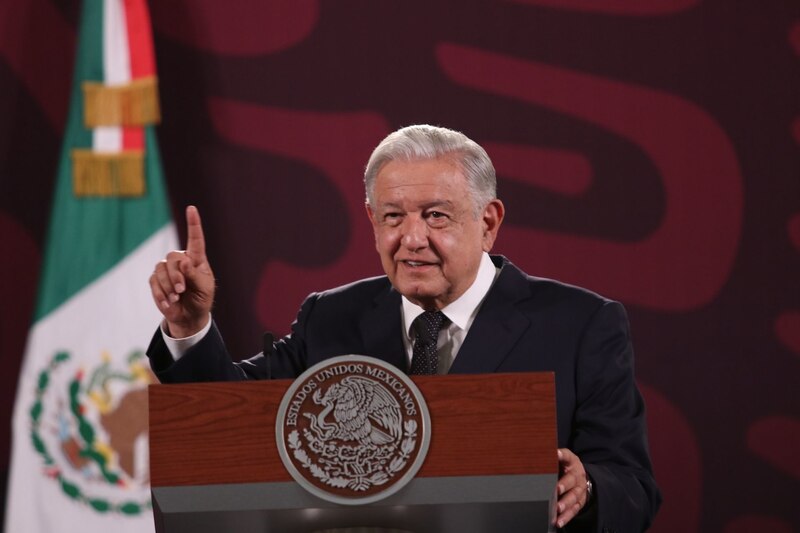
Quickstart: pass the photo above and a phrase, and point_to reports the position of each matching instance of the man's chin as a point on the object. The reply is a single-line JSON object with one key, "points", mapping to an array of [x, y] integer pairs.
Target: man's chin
{"points": [[420, 294]]}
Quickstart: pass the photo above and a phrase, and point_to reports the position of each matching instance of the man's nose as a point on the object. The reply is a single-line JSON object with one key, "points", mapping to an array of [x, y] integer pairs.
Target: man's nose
{"points": [[415, 233]]}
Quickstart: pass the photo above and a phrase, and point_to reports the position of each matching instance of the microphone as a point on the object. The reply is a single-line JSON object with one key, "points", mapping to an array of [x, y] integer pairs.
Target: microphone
{"points": [[268, 339]]}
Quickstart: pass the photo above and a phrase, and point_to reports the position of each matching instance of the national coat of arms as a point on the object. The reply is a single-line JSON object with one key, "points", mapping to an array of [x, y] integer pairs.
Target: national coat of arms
{"points": [[89, 427], [353, 430]]}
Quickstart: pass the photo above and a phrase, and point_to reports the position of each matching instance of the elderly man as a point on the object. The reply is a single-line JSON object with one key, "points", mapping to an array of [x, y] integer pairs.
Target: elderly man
{"points": [[431, 200]]}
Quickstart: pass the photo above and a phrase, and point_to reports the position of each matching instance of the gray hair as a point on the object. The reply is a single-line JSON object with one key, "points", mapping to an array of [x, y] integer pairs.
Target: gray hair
{"points": [[431, 142]]}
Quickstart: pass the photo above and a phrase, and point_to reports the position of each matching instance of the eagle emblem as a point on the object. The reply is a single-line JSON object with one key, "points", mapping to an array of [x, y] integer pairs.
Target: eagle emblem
{"points": [[353, 429], [363, 411]]}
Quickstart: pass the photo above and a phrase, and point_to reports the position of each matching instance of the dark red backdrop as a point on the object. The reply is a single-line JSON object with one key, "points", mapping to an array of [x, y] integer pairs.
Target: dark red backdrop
{"points": [[649, 150]]}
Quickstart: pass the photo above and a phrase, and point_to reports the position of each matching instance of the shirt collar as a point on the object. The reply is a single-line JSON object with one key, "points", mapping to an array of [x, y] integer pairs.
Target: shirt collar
{"points": [[460, 312]]}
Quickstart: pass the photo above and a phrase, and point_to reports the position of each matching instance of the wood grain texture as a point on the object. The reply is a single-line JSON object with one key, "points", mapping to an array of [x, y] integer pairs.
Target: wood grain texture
{"points": [[488, 424]]}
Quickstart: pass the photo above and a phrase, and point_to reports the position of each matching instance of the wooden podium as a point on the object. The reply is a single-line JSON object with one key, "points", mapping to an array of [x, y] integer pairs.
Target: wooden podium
{"points": [[491, 465]]}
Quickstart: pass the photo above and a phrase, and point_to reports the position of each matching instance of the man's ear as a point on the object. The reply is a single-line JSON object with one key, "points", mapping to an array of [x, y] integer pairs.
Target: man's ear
{"points": [[374, 221], [370, 214], [492, 217]]}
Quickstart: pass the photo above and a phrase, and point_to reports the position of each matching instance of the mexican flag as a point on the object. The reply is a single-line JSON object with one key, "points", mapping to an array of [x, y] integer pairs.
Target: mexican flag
{"points": [[79, 458]]}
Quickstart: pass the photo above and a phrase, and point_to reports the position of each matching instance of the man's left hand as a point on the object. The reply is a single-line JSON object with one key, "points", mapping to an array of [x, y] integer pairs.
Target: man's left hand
{"points": [[572, 487]]}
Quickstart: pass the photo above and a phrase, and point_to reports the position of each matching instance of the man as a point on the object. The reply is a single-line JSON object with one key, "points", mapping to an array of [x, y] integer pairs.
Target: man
{"points": [[431, 200]]}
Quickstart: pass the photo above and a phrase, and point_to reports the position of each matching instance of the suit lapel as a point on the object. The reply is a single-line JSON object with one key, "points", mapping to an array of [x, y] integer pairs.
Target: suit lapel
{"points": [[497, 327], [381, 330]]}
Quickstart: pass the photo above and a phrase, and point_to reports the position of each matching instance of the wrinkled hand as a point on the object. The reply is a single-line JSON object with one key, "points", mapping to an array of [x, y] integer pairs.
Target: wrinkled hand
{"points": [[183, 284], [572, 491]]}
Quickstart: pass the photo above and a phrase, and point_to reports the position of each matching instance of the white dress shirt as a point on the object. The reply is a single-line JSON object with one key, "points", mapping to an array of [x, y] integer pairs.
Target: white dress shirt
{"points": [[179, 346]]}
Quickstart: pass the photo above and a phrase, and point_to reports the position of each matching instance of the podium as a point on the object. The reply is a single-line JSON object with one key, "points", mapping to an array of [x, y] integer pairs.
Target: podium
{"points": [[491, 465]]}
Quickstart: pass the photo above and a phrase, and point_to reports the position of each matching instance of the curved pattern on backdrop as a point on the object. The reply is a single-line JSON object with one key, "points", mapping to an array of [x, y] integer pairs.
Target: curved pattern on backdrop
{"points": [[646, 150]]}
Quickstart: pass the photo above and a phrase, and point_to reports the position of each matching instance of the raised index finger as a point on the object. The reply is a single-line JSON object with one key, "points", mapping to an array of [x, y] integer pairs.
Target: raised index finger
{"points": [[195, 241]]}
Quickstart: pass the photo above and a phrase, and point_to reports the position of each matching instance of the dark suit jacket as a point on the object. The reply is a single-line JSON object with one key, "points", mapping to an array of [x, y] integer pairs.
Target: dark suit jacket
{"points": [[524, 324]]}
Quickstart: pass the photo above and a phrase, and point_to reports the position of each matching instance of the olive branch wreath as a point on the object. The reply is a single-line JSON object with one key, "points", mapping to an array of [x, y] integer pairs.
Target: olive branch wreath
{"points": [[377, 478], [88, 450]]}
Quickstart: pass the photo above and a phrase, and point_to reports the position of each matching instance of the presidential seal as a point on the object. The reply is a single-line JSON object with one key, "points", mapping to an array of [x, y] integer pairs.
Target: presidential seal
{"points": [[353, 430]]}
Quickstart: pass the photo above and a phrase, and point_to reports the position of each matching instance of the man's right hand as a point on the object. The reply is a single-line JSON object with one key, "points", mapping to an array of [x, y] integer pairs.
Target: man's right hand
{"points": [[183, 284]]}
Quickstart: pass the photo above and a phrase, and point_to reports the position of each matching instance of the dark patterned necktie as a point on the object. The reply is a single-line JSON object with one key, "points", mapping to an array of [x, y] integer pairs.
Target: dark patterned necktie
{"points": [[425, 359]]}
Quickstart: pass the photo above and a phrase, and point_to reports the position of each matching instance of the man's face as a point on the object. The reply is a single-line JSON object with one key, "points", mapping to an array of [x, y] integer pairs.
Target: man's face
{"points": [[426, 229]]}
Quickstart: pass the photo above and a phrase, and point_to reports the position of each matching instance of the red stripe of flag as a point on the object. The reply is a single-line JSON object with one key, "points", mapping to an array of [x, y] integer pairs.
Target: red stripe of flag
{"points": [[140, 39], [142, 60]]}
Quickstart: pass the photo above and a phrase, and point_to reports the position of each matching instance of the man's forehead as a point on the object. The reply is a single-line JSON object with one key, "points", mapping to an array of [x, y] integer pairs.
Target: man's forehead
{"points": [[425, 174], [424, 192]]}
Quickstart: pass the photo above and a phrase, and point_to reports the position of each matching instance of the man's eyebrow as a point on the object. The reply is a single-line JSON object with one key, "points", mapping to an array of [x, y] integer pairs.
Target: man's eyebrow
{"points": [[427, 205]]}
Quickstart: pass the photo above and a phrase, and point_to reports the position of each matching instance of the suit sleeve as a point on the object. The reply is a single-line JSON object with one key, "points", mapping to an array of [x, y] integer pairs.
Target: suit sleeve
{"points": [[209, 360], [609, 431]]}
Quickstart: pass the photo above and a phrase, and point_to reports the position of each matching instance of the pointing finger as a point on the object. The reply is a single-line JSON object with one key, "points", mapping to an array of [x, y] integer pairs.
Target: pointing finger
{"points": [[195, 241]]}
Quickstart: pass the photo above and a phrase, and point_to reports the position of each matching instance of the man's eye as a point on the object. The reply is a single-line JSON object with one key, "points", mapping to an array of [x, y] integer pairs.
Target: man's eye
{"points": [[437, 218], [391, 218]]}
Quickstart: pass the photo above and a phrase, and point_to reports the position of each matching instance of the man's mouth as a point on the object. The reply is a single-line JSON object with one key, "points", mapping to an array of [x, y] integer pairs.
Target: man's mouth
{"points": [[416, 264]]}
